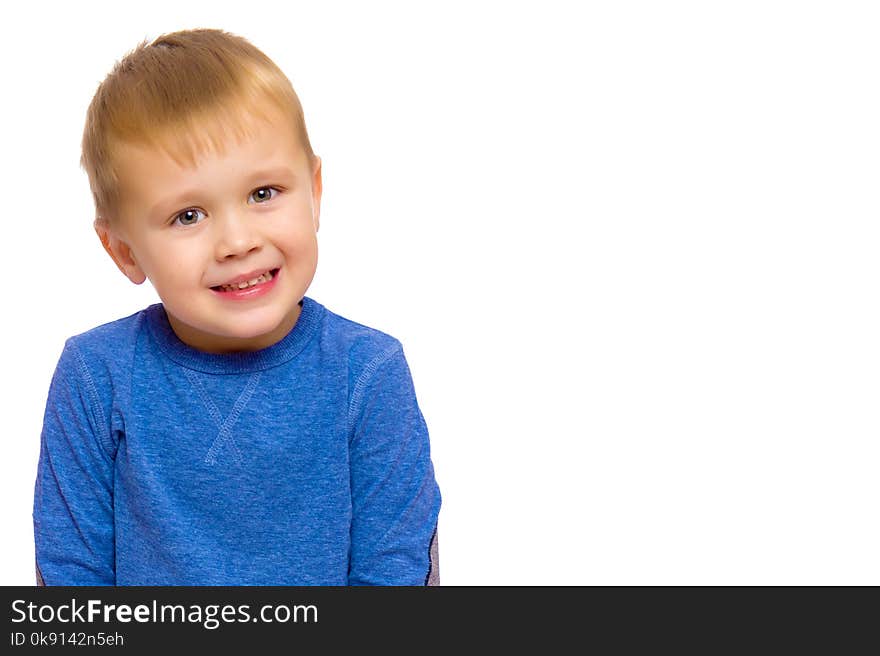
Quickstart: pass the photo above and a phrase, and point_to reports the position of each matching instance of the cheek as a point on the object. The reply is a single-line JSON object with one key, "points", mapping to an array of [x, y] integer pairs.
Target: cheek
{"points": [[300, 240], [176, 268]]}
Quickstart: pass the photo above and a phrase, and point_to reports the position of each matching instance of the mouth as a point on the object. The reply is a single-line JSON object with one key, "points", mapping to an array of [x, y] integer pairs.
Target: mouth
{"points": [[242, 286]]}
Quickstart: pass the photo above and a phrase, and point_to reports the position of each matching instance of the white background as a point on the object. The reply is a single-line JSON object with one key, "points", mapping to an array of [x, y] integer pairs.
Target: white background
{"points": [[630, 249]]}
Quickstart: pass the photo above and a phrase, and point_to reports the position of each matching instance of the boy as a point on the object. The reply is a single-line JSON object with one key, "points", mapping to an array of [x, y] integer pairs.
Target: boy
{"points": [[238, 432]]}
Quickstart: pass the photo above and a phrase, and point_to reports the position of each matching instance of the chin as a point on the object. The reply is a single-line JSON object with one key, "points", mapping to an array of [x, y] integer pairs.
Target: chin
{"points": [[250, 330]]}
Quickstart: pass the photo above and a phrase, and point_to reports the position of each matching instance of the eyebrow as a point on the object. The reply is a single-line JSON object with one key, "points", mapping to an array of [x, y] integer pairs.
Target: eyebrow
{"points": [[253, 178]]}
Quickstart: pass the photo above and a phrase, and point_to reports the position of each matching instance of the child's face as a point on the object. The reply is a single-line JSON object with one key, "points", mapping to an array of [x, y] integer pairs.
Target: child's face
{"points": [[254, 209]]}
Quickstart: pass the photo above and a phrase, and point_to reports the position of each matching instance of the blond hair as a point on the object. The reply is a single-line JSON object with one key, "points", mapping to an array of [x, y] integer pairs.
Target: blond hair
{"points": [[184, 94]]}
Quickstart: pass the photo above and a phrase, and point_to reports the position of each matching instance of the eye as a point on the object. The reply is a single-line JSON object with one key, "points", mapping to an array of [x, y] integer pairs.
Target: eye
{"points": [[186, 218], [190, 217], [263, 194]]}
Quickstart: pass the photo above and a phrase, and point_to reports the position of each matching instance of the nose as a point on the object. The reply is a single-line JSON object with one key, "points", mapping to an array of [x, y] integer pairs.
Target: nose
{"points": [[237, 235]]}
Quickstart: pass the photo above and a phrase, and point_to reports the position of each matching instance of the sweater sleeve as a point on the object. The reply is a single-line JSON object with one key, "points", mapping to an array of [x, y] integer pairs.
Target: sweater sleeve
{"points": [[73, 494], [395, 498]]}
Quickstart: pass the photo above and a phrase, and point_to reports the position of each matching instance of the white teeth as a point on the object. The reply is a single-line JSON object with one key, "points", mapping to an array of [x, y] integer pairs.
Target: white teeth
{"points": [[266, 277]]}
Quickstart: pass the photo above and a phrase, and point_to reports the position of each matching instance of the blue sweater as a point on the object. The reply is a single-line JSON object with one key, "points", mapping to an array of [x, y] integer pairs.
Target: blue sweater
{"points": [[304, 463]]}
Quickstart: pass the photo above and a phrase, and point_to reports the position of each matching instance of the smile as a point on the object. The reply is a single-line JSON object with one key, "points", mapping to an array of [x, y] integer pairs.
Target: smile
{"points": [[253, 288], [265, 277]]}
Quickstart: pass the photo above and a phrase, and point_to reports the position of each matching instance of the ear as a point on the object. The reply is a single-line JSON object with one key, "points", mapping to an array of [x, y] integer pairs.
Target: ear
{"points": [[119, 251], [316, 192]]}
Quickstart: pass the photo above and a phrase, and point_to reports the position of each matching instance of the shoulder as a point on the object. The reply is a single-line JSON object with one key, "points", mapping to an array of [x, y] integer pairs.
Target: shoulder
{"points": [[103, 357], [363, 346], [109, 345], [97, 365]]}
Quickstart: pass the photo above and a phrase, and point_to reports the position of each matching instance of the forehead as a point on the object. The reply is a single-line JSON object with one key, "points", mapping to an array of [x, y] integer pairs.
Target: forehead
{"points": [[150, 173]]}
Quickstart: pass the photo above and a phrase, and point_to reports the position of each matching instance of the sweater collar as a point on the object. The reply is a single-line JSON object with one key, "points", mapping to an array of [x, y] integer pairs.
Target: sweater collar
{"points": [[242, 361]]}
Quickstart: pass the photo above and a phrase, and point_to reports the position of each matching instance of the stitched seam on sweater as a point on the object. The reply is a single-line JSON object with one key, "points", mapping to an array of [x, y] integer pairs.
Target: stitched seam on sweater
{"points": [[224, 433], [363, 380], [103, 430], [240, 404], [207, 401]]}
